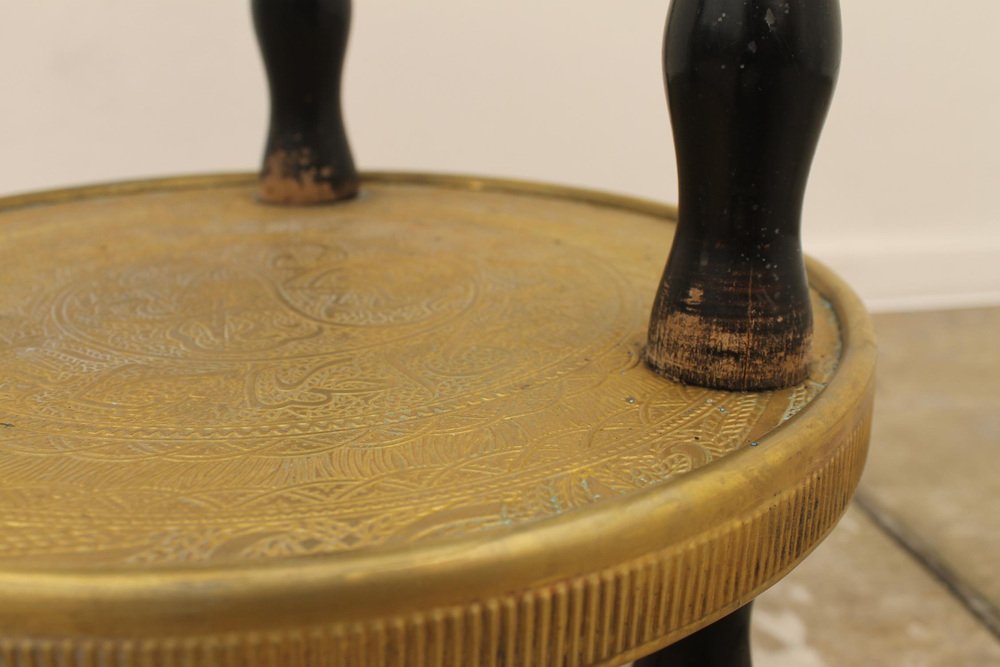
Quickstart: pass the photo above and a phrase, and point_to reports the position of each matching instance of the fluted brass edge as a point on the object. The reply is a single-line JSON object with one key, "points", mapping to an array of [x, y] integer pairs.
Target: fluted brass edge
{"points": [[600, 618]]}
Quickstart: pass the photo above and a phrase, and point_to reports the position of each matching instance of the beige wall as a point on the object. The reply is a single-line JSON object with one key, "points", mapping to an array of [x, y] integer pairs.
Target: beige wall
{"points": [[903, 197]]}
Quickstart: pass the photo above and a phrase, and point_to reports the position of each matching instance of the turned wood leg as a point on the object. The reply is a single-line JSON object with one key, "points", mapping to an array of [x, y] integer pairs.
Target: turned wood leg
{"points": [[748, 85], [725, 643], [307, 158]]}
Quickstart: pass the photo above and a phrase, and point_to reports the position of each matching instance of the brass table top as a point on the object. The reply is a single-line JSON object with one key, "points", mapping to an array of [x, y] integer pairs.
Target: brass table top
{"points": [[220, 420]]}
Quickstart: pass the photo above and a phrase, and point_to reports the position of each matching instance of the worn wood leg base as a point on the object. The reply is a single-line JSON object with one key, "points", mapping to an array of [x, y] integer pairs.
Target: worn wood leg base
{"points": [[725, 643]]}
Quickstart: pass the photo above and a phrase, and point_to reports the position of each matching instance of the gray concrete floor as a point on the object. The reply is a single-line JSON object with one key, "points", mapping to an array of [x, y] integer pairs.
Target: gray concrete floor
{"points": [[911, 576]]}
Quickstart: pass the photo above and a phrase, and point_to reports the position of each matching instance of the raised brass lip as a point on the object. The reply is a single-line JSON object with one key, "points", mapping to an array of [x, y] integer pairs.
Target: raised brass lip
{"points": [[235, 179], [382, 581]]}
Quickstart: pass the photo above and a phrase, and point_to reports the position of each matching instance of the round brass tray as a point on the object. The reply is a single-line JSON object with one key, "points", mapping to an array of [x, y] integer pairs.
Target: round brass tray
{"points": [[412, 429]]}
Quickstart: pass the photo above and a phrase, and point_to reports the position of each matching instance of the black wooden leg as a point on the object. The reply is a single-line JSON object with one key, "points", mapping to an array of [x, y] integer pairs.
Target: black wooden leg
{"points": [[725, 643]]}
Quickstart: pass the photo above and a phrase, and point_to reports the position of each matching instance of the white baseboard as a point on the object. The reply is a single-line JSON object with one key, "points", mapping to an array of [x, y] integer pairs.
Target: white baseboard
{"points": [[917, 274]]}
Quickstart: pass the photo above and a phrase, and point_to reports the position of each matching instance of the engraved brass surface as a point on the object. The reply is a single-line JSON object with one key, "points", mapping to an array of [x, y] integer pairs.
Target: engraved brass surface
{"points": [[272, 416]]}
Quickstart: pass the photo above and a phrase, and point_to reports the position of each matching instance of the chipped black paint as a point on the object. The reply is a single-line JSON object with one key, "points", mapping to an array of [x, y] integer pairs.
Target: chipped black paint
{"points": [[749, 84], [307, 158]]}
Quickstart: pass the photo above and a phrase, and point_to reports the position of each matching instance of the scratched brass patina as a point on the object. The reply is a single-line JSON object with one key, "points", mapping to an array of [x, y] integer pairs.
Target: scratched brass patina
{"points": [[433, 392]]}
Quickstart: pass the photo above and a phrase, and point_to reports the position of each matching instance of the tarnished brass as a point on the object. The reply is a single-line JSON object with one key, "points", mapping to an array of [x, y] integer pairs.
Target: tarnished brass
{"points": [[411, 429]]}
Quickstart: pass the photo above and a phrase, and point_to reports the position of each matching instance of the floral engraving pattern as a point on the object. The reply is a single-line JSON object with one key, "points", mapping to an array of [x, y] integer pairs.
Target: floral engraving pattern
{"points": [[189, 376]]}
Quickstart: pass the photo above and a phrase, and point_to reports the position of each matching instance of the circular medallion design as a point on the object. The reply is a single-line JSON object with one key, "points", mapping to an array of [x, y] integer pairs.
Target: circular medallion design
{"points": [[190, 376]]}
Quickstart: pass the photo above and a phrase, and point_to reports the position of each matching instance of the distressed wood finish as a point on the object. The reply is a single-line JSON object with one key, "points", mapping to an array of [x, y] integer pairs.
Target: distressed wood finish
{"points": [[749, 84], [307, 159]]}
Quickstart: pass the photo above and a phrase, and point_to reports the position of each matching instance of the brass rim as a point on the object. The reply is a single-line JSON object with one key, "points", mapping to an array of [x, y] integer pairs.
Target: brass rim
{"points": [[354, 588]]}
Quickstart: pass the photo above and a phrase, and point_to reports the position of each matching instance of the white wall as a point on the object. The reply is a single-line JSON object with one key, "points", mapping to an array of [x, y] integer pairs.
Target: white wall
{"points": [[903, 199]]}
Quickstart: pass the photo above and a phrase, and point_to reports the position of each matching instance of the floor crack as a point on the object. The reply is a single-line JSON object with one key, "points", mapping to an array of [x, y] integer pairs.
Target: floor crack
{"points": [[980, 607]]}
